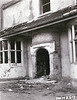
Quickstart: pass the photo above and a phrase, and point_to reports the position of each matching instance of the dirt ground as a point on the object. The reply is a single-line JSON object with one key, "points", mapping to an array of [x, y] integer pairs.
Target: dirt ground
{"points": [[31, 90]]}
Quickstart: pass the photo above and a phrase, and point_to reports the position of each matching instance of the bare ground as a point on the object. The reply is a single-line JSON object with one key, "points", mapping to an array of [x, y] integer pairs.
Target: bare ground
{"points": [[35, 90]]}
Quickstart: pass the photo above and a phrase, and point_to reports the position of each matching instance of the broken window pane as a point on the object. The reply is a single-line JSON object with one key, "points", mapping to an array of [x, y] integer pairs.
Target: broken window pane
{"points": [[18, 56], [6, 56], [12, 56]]}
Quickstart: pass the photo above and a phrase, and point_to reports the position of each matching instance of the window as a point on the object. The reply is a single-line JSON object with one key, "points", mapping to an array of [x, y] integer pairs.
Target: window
{"points": [[45, 6], [73, 43], [15, 51], [4, 51], [5, 47], [12, 49]]}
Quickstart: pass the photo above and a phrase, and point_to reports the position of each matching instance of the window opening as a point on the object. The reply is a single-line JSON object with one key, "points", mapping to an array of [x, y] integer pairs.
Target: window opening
{"points": [[45, 6], [4, 51], [5, 48], [15, 51], [74, 43]]}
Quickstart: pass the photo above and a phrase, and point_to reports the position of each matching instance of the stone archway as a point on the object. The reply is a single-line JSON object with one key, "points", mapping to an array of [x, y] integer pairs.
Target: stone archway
{"points": [[49, 49], [42, 62]]}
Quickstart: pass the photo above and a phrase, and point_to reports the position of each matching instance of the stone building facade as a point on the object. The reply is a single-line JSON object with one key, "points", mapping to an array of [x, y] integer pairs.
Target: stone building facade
{"points": [[38, 38]]}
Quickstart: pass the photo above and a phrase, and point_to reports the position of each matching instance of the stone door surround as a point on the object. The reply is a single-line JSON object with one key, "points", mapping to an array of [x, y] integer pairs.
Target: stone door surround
{"points": [[50, 47]]}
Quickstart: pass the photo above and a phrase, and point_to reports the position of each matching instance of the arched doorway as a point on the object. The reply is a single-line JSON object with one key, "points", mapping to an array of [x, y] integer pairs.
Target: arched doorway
{"points": [[42, 63]]}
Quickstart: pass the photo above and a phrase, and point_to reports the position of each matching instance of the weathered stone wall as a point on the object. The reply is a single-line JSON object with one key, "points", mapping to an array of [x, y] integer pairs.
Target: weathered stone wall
{"points": [[57, 54], [65, 59], [26, 10], [47, 35], [61, 55], [16, 13], [11, 72], [59, 4], [42, 36], [29, 58], [55, 6], [25, 56], [1, 3], [20, 12]]}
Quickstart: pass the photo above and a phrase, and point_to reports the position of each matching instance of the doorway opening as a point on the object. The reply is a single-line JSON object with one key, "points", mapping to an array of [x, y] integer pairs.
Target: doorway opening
{"points": [[42, 63]]}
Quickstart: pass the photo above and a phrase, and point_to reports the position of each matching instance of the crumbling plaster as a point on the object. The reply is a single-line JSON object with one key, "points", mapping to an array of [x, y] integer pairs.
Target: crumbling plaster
{"points": [[11, 72]]}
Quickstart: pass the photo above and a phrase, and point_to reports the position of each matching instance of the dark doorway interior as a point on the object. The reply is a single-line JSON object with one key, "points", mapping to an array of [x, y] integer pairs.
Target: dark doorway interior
{"points": [[42, 63]]}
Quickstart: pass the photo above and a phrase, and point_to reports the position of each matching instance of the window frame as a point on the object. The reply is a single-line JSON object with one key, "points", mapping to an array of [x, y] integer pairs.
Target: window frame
{"points": [[9, 53], [5, 49], [41, 7], [15, 50], [4, 61], [72, 41]]}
